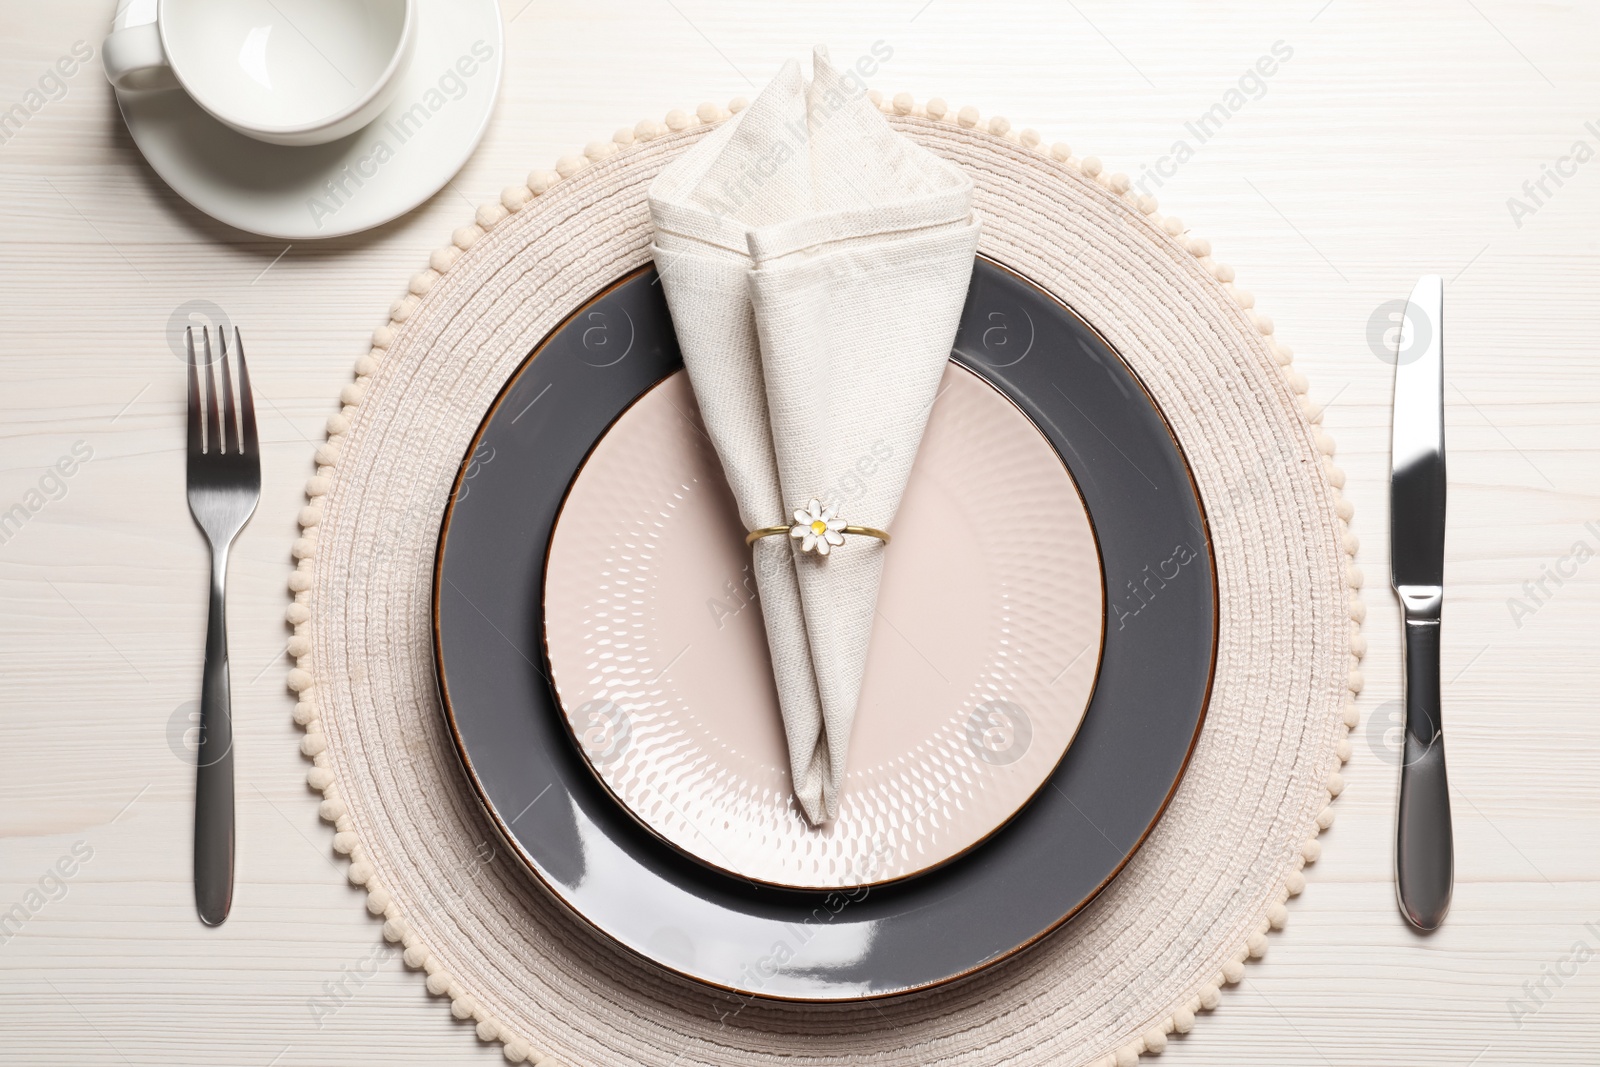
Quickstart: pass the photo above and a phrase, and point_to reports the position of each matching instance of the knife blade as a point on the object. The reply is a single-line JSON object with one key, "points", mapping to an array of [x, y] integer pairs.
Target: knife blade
{"points": [[1424, 844]]}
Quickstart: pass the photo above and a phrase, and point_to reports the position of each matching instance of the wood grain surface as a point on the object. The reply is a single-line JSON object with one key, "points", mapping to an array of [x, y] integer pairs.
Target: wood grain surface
{"points": [[1388, 140]]}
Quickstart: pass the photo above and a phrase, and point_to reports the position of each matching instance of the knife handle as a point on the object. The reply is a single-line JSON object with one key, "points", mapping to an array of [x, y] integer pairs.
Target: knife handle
{"points": [[1424, 844]]}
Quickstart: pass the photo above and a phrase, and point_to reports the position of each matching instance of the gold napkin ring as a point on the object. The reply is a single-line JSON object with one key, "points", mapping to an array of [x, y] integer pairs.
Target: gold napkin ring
{"points": [[819, 529]]}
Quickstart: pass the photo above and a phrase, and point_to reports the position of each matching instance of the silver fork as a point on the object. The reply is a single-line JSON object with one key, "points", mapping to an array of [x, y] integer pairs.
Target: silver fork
{"points": [[224, 486]]}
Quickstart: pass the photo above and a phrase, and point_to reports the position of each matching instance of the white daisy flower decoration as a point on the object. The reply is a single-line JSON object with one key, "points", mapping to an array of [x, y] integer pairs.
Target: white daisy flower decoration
{"points": [[817, 528]]}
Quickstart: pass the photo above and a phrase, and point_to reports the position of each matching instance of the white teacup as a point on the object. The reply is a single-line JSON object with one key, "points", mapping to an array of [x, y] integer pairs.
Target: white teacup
{"points": [[292, 72]]}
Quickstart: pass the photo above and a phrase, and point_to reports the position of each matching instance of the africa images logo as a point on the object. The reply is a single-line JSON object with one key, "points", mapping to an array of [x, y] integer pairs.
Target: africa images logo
{"points": [[450, 86], [1145, 586]]}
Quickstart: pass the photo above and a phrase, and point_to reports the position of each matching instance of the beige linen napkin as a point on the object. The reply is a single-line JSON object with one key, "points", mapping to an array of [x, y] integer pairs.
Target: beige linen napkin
{"points": [[815, 263]]}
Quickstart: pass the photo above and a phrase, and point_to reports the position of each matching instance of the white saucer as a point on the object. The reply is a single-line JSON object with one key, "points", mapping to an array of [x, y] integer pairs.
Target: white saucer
{"points": [[408, 153]]}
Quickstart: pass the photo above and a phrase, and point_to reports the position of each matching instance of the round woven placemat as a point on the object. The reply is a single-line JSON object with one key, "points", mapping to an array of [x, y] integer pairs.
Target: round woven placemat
{"points": [[1115, 982]]}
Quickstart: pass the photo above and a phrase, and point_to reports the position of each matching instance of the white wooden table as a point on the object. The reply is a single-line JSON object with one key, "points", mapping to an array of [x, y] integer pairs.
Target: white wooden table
{"points": [[1386, 145]]}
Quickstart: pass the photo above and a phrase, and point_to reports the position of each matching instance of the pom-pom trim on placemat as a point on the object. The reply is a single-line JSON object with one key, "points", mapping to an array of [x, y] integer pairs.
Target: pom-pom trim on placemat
{"points": [[300, 616]]}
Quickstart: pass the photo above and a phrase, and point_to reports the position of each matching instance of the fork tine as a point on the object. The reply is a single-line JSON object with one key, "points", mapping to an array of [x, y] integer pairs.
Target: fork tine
{"points": [[247, 401], [230, 423], [213, 426], [197, 443]]}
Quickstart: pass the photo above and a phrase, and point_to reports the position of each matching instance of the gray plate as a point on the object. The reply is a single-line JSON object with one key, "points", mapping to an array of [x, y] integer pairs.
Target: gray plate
{"points": [[1026, 880]]}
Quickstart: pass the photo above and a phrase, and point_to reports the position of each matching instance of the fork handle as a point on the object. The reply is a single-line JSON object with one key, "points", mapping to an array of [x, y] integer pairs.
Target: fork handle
{"points": [[213, 795]]}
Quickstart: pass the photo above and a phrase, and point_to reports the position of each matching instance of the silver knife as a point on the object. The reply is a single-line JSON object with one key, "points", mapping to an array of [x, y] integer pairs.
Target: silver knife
{"points": [[1424, 845]]}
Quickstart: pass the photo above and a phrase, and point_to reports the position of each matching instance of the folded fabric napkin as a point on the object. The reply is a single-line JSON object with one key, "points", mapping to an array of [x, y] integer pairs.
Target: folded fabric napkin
{"points": [[815, 263]]}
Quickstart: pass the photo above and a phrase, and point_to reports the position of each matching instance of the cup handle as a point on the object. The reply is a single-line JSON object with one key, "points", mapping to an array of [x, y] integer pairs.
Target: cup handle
{"points": [[135, 59]]}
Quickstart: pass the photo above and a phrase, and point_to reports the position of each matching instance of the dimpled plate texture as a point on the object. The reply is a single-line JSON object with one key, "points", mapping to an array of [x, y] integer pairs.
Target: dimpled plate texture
{"points": [[980, 667]]}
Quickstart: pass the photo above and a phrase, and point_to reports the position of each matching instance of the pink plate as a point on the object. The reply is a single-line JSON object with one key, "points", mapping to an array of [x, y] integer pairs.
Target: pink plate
{"points": [[980, 668]]}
